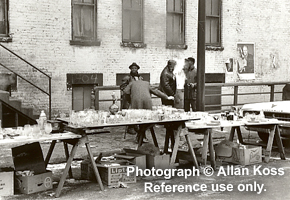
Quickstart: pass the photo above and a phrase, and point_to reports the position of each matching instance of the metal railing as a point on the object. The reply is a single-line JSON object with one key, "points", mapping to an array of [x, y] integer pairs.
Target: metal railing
{"points": [[236, 94], [234, 86], [35, 68]]}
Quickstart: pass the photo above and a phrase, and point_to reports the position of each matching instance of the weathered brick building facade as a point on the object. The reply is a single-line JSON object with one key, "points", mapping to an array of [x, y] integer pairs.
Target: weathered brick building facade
{"points": [[41, 32]]}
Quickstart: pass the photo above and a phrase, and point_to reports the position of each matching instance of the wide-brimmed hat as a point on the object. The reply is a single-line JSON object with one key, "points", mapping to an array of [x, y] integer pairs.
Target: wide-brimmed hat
{"points": [[134, 64]]}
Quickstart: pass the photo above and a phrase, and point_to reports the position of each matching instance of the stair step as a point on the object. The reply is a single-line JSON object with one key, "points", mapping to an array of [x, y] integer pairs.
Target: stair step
{"points": [[27, 111], [4, 96], [15, 103]]}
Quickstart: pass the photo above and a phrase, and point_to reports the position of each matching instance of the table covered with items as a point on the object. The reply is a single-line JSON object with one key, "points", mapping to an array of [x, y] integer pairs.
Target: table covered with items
{"points": [[227, 148], [25, 143]]}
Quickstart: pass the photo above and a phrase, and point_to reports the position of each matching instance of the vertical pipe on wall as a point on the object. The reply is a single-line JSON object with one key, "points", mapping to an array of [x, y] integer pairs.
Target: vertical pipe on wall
{"points": [[201, 57]]}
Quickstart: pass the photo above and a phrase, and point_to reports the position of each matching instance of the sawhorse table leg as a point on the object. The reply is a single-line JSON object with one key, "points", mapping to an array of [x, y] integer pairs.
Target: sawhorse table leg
{"points": [[274, 133], [169, 136], [70, 175], [49, 153], [239, 133], [191, 151], [279, 143], [142, 132], [176, 144], [175, 148], [208, 145], [80, 141]]}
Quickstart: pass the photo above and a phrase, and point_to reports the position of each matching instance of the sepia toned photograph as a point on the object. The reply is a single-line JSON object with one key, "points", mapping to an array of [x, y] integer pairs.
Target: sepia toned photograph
{"points": [[144, 99]]}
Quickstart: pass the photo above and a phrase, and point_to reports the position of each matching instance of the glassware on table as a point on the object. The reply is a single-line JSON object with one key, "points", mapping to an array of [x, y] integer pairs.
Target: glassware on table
{"points": [[19, 130], [48, 128], [27, 130], [36, 131]]}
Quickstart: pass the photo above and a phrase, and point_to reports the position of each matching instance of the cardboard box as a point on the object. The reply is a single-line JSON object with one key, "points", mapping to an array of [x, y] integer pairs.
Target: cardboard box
{"points": [[33, 184], [113, 175], [30, 157], [158, 161], [6, 183], [239, 154], [110, 175], [135, 157]]}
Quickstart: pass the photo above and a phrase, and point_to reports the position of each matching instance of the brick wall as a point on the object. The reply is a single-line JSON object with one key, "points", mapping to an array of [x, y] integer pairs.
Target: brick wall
{"points": [[42, 30]]}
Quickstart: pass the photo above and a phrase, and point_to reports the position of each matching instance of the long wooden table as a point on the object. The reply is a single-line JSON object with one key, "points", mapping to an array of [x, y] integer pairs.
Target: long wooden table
{"points": [[173, 132], [271, 125], [67, 138]]}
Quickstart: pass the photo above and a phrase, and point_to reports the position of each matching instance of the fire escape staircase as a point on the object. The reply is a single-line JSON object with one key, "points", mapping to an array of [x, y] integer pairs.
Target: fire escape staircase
{"points": [[12, 111]]}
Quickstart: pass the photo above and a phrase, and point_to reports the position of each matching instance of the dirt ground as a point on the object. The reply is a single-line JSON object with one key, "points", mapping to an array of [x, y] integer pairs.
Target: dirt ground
{"points": [[275, 186]]}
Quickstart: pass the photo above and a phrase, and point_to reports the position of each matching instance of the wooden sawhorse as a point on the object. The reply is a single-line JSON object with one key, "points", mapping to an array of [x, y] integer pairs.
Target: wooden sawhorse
{"points": [[274, 132]]}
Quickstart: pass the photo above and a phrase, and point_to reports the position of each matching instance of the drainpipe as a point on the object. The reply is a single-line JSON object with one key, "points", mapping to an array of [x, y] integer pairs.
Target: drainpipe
{"points": [[201, 56]]}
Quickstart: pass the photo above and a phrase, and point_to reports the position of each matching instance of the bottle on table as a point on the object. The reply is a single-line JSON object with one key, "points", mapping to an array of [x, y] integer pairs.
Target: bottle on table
{"points": [[42, 120]]}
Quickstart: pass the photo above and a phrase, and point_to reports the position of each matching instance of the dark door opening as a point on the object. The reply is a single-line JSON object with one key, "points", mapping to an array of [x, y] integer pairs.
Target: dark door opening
{"points": [[81, 97]]}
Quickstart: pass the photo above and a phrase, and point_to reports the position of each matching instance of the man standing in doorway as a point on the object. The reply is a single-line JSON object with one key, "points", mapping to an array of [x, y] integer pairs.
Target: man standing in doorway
{"points": [[190, 85], [126, 101]]}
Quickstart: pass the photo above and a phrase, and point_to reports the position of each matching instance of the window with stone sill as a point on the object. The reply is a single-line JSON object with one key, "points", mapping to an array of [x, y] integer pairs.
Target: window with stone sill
{"points": [[5, 36], [84, 23], [132, 24], [175, 24], [213, 25]]}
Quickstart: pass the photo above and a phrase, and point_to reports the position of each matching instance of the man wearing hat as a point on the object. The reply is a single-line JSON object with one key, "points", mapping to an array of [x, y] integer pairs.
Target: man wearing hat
{"points": [[126, 100], [190, 85], [134, 75]]}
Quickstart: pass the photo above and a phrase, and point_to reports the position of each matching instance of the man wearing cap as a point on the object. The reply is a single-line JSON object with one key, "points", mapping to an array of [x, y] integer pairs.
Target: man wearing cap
{"points": [[126, 100], [190, 85], [168, 82]]}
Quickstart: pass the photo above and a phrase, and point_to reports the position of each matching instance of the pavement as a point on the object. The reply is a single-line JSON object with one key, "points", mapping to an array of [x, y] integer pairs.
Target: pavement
{"points": [[268, 181]]}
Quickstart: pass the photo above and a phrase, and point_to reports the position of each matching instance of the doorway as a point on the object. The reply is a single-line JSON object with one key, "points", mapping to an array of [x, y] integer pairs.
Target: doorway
{"points": [[81, 96]]}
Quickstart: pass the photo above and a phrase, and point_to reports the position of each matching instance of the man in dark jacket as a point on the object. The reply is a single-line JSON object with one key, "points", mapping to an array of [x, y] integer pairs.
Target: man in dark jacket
{"points": [[190, 85], [134, 75], [126, 101], [168, 82]]}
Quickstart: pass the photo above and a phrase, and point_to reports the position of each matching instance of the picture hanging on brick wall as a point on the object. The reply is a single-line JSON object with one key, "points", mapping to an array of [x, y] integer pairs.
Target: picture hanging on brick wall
{"points": [[246, 60]]}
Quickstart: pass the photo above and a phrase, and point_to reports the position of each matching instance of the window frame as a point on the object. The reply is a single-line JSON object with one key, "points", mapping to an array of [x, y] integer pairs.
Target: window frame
{"points": [[176, 13], [219, 43], [130, 42], [7, 36], [78, 40]]}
